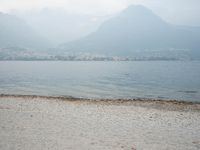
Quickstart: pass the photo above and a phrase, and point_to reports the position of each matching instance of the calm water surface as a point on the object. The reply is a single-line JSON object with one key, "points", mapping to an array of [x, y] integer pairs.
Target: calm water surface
{"points": [[140, 79]]}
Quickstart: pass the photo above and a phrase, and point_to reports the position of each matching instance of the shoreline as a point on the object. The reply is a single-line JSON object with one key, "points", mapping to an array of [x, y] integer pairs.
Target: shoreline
{"points": [[171, 105], [71, 98]]}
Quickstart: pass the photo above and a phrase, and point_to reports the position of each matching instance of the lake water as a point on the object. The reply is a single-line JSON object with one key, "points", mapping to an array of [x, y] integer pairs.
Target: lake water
{"points": [[137, 79]]}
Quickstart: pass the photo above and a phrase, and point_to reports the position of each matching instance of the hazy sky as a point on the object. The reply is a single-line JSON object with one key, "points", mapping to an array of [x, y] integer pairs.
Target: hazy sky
{"points": [[175, 11]]}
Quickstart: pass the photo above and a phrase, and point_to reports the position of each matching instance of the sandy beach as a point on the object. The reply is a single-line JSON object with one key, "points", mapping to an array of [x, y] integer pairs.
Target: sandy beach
{"points": [[41, 123]]}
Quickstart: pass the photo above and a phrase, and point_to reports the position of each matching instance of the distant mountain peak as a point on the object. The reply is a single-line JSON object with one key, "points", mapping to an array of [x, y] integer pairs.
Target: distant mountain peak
{"points": [[140, 13], [136, 9]]}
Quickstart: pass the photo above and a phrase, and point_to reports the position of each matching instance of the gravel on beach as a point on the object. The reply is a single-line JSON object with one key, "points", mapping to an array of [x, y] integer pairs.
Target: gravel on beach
{"points": [[39, 123]]}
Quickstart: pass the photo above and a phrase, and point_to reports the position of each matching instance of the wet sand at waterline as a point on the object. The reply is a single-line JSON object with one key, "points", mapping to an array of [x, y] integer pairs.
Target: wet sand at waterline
{"points": [[40, 123]]}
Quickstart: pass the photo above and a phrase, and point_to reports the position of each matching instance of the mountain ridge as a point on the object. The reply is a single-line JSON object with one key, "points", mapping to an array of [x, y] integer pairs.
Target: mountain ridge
{"points": [[14, 32], [136, 29]]}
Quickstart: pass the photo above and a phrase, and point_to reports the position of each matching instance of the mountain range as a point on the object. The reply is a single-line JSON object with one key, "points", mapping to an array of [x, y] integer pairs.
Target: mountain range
{"points": [[137, 31]]}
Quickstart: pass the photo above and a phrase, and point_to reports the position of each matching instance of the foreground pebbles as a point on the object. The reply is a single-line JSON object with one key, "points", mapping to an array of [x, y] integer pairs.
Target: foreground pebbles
{"points": [[40, 123]]}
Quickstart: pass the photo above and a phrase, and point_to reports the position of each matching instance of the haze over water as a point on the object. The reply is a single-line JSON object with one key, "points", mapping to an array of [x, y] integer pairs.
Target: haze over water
{"points": [[138, 79]]}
